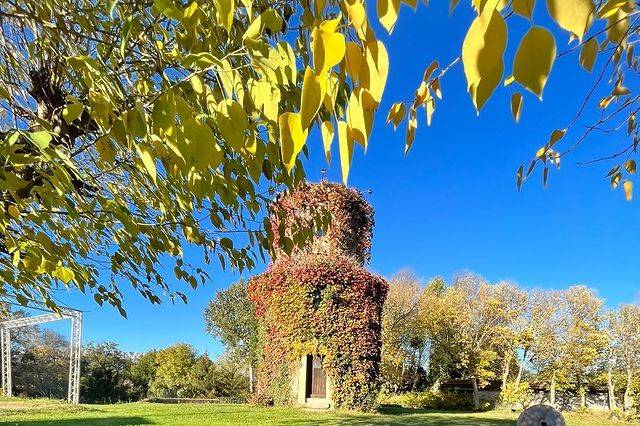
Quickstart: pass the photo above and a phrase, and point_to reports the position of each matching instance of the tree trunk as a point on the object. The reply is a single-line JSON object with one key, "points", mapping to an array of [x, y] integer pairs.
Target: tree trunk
{"points": [[250, 378], [505, 372], [476, 395], [520, 368], [582, 392], [628, 400], [610, 387], [552, 390]]}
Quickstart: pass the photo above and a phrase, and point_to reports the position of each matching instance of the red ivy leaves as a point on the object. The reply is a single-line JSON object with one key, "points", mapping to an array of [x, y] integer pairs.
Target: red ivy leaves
{"points": [[351, 228], [325, 305]]}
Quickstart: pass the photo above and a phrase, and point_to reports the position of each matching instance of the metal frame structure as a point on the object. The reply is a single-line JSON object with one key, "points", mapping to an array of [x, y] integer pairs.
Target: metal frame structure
{"points": [[75, 349]]}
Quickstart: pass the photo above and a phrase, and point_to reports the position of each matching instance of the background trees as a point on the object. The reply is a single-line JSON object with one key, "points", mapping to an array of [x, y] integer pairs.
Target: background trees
{"points": [[230, 317], [501, 333], [40, 368]]}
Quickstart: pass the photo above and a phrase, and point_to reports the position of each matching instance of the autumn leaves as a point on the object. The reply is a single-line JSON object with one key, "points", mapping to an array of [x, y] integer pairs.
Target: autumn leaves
{"points": [[363, 61]]}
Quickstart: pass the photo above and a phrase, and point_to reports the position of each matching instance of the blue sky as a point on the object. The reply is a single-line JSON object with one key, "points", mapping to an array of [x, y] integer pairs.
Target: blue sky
{"points": [[452, 204]]}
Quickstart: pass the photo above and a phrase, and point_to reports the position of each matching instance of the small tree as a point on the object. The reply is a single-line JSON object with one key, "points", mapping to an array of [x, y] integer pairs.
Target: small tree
{"points": [[625, 331], [231, 317], [583, 337], [105, 373], [173, 374], [142, 373], [404, 333]]}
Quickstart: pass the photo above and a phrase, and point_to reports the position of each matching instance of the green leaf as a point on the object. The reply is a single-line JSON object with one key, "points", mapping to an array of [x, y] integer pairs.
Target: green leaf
{"points": [[64, 274], [42, 138], [168, 9], [111, 5], [72, 111]]}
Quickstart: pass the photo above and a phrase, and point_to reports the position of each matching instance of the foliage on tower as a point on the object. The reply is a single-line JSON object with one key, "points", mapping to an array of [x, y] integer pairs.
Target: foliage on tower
{"points": [[320, 300]]}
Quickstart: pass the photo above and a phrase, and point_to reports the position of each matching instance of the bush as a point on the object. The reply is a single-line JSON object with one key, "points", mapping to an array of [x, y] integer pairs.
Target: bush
{"points": [[429, 400], [516, 395]]}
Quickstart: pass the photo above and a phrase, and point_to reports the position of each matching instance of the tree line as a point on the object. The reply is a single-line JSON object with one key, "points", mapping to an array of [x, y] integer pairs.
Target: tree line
{"points": [[40, 368], [469, 328], [472, 329]]}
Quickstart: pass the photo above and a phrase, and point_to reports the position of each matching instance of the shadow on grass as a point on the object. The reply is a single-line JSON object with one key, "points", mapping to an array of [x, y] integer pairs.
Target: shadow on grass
{"points": [[111, 421]]}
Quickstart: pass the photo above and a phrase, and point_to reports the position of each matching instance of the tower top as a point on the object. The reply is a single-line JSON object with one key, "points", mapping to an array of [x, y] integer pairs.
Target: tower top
{"points": [[350, 220]]}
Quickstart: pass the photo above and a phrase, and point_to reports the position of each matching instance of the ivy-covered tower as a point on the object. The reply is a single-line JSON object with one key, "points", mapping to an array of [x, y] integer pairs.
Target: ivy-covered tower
{"points": [[319, 308]]}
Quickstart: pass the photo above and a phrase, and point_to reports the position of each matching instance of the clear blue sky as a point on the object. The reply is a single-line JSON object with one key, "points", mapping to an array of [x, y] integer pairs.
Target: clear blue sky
{"points": [[452, 204]]}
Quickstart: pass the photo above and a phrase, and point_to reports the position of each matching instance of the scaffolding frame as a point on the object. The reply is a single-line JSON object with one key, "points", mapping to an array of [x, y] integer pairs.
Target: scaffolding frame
{"points": [[73, 396]]}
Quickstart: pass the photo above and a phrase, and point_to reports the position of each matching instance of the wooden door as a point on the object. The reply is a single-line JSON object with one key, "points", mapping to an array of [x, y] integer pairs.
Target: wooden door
{"points": [[318, 379]]}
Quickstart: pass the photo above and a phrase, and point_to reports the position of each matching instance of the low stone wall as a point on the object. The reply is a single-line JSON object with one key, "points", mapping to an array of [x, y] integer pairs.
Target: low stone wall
{"points": [[570, 401]]}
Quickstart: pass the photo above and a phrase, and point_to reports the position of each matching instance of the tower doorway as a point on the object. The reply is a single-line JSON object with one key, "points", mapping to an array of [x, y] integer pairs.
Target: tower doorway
{"points": [[316, 378]]}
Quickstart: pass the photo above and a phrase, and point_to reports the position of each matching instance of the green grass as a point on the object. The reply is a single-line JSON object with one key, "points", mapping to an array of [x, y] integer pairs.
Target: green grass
{"points": [[23, 412]]}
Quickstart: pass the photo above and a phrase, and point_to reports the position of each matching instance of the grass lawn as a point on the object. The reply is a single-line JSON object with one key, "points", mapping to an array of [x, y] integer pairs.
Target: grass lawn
{"points": [[22, 412]]}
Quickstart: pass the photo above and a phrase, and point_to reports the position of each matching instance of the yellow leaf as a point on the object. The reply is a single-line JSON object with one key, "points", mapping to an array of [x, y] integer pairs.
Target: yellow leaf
{"points": [[388, 13], [524, 7], [435, 86], [269, 19], [224, 13], [617, 28], [612, 7], [232, 122], [327, 45], [572, 15], [412, 125], [482, 56], [345, 143], [148, 161], [588, 54], [72, 111], [314, 88], [621, 91], [332, 91], [430, 69], [105, 149], [489, 6], [628, 189], [375, 69], [353, 60], [516, 106], [360, 112], [534, 59], [327, 138], [556, 135], [396, 114], [292, 138], [64, 274], [356, 12], [319, 6], [203, 148], [630, 165], [14, 212], [196, 83], [430, 107]]}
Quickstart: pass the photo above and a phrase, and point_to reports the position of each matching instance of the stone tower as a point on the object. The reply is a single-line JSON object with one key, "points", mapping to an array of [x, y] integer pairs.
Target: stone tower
{"points": [[319, 308]]}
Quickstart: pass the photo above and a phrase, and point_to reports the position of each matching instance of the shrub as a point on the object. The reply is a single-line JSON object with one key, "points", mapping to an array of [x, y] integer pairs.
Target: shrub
{"points": [[429, 400], [519, 395]]}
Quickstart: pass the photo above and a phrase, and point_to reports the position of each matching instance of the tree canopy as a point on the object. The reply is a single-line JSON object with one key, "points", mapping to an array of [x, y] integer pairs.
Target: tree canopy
{"points": [[131, 129]]}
